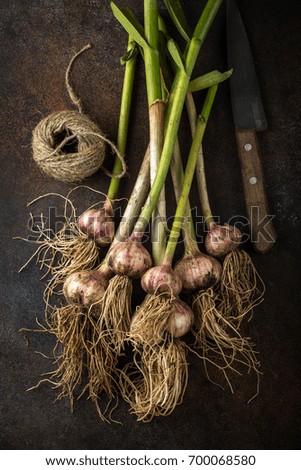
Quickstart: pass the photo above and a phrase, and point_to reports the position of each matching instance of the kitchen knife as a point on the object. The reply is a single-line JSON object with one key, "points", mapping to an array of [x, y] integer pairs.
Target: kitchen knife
{"points": [[249, 117]]}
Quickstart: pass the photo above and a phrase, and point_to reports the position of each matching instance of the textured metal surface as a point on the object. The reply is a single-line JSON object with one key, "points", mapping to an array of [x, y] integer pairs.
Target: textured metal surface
{"points": [[245, 94], [37, 40]]}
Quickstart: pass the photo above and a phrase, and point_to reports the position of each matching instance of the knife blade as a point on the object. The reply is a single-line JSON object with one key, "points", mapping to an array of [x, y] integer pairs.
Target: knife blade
{"points": [[249, 117]]}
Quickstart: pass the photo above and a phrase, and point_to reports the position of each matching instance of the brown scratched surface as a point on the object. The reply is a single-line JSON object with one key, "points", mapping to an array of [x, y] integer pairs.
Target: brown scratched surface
{"points": [[37, 39]]}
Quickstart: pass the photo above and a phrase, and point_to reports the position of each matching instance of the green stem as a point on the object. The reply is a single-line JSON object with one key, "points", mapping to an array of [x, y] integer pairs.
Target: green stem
{"points": [[206, 80], [151, 53], [188, 176], [177, 174], [156, 125], [138, 196], [200, 165], [156, 121], [124, 115], [177, 99], [176, 167]]}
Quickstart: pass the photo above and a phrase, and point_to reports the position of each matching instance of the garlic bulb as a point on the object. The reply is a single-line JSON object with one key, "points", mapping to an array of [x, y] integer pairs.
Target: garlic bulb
{"points": [[198, 271], [97, 224], [86, 287], [129, 258], [221, 239], [161, 279], [180, 320]]}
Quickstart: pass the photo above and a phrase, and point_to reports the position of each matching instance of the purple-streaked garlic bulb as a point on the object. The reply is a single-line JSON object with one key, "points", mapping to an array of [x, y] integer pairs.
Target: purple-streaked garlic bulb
{"points": [[198, 271], [180, 320], [129, 258], [161, 279], [221, 239], [98, 224], [86, 287]]}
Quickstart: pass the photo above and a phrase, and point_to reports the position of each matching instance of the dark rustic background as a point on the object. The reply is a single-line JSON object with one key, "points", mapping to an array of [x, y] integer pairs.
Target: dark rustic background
{"points": [[37, 40]]}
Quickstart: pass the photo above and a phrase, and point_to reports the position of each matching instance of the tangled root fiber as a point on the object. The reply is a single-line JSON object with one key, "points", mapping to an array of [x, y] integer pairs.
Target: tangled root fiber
{"points": [[242, 288], [150, 320], [219, 339], [155, 382]]}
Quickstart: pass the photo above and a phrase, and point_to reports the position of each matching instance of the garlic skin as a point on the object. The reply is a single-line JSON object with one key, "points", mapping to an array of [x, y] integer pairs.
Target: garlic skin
{"points": [[198, 271], [161, 279], [86, 287], [180, 320], [97, 224], [129, 258], [221, 239]]}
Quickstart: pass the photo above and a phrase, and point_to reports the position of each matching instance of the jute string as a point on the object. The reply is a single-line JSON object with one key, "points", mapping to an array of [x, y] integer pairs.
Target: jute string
{"points": [[68, 145]]}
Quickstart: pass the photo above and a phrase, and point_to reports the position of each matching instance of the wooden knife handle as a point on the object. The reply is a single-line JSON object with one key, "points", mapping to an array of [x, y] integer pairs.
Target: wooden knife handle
{"points": [[263, 235]]}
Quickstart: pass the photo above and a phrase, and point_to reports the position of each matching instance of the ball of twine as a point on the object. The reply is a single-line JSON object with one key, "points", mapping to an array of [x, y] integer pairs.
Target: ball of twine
{"points": [[68, 145]]}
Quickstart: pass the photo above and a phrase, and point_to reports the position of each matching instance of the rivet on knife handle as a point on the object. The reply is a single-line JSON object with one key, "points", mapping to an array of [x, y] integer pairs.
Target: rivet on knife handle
{"points": [[263, 235]]}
